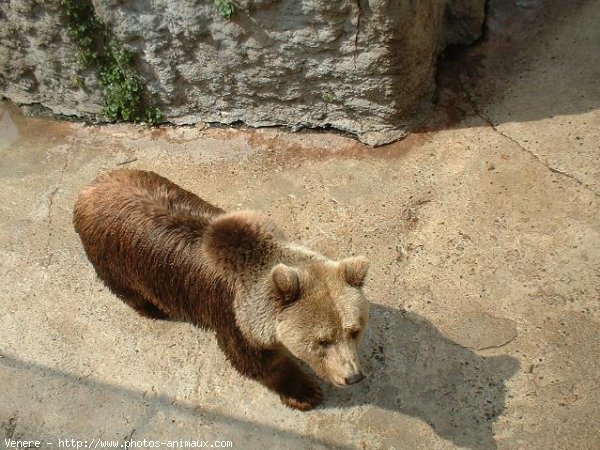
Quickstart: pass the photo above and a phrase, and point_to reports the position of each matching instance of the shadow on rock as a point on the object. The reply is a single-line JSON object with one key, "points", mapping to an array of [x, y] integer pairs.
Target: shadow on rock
{"points": [[415, 370], [528, 50]]}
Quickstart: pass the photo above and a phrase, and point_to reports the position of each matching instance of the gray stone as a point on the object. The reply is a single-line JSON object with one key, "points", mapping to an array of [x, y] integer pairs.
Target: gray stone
{"points": [[463, 21], [366, 67]]}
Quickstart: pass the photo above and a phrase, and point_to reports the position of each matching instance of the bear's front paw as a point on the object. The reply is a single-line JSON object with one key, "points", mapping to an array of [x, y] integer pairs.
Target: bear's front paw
{"points": [[303, 396]]}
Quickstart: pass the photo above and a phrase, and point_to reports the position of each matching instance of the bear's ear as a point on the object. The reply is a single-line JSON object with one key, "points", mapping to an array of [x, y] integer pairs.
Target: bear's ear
{"points": [[355, 270], [286, 282]]}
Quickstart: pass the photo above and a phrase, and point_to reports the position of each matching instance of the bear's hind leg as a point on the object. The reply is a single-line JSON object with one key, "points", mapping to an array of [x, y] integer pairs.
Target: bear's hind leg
{"points": [[146, 308], [142, 305]]}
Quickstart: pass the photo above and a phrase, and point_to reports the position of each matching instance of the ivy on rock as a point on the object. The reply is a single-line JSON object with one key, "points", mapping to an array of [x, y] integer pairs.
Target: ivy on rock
{"points": [[121, 85]]}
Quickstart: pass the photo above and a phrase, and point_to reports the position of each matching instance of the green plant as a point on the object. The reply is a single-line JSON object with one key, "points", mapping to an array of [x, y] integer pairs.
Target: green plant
{"points": [[84, 28], [226, 8], [329, 96], [122, 87], [78, 81]]}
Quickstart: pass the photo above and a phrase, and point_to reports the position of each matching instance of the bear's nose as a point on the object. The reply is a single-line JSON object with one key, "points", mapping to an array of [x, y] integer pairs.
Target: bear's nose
{"points": [[358, 376]]}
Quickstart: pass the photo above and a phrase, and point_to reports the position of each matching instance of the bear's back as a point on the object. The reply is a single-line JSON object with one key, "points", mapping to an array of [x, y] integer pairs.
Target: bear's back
{"points": [[129, 189], [143, 233]]}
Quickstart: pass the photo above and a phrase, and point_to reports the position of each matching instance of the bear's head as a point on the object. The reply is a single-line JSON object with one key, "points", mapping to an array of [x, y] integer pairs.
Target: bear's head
{"points": [[322, 315]]}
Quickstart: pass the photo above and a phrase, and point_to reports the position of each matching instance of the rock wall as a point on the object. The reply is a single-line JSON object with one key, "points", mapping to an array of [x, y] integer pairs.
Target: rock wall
{"points": [[366, 67]]}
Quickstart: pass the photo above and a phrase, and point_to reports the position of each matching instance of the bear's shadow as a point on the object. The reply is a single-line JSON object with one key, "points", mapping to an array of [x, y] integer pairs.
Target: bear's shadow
{"points": [[413, 369]]}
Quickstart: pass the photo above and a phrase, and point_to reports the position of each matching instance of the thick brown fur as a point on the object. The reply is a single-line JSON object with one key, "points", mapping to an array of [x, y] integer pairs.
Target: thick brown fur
{"points": [[169, 254]]}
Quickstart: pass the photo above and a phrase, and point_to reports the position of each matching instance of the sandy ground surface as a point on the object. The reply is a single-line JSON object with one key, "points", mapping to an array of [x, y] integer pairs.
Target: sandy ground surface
{"points": [[483, 231]]}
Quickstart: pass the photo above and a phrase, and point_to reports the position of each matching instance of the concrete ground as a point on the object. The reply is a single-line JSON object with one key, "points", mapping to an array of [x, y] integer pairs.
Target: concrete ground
{"points": [[483, 232]]}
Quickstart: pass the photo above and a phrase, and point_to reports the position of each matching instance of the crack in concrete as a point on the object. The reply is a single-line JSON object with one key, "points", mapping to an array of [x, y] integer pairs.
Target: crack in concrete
{"points": [[542, 162], [127, 438], [11, 426], [469, 347], [488, 121], [51, 203], [499, 345], [358, 17]]}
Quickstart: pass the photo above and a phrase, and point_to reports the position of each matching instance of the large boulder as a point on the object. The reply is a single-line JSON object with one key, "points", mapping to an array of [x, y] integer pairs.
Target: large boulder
{"points": [[366, 67]]}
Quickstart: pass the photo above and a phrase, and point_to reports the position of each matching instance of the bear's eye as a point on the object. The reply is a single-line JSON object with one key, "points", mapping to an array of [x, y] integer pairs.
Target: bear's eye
{"points": [[354, 334], [324, 343]]}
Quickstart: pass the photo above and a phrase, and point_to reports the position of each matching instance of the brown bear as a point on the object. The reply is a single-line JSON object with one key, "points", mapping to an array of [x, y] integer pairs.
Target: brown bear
{"points": [[169, 254]]}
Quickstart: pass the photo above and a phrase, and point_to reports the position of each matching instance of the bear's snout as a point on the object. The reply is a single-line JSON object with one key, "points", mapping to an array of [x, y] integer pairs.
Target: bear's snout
{"points": [[354, 378]]}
